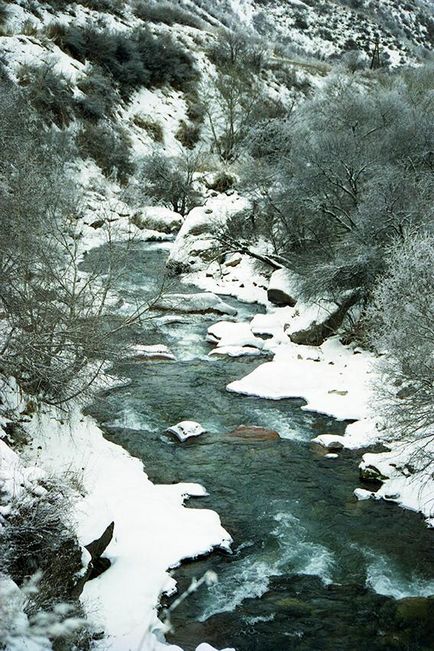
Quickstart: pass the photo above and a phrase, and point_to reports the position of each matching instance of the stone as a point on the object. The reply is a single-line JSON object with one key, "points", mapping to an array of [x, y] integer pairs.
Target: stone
{"points": [[186, 429], [329, 441], [369, 473], [97, 547], [362, 494], [280, 289], [233, 260]]}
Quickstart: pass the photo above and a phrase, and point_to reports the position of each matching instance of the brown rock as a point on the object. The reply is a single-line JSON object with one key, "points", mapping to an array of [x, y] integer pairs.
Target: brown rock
{"points": [[254, 433]]}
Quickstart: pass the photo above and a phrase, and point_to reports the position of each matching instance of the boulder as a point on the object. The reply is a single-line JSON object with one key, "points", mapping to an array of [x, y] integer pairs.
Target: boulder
{"points": [[186, 429], [317, 333], [281, 288], [362, 494], [158, 218], [255, 433], [329, 441], [370, 473]]}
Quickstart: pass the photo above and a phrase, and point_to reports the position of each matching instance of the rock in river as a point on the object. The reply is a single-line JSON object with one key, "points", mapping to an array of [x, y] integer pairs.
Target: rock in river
{"points": [[254, 433], [186, 429]]}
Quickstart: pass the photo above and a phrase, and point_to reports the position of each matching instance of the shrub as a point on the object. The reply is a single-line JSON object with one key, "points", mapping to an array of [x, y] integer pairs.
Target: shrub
{"points": [[36, 540], [196, 109], [221, 182], [4, 13], [167, 13], [188, 134], [152, 127], [48, 92], [170, 181], [100, 97], [400, 321], [109, 147], [110, 6], [132, 60]]}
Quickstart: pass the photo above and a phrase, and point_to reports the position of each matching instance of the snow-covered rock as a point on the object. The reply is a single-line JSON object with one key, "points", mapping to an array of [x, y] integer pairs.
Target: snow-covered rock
{"points": [[362, 494], [228, 333], [329, 441], [186, 429], [282, 288], [336, 385], [158, 218], [200, 303], [196, 244], [143, 352]]}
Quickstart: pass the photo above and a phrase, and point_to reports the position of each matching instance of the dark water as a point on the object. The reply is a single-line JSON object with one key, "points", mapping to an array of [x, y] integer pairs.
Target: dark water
{"points": [[312, 567]]}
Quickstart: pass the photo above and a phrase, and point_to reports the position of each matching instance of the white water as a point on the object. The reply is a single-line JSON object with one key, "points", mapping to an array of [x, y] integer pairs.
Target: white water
{"points": [[293, 555]]}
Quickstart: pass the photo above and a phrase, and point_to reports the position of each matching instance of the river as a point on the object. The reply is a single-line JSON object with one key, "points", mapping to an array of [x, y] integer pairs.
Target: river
{"points": [[312, 568]]}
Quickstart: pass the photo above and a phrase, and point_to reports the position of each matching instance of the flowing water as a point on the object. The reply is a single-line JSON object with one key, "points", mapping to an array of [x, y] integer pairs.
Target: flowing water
{"points": [[311, 567]]}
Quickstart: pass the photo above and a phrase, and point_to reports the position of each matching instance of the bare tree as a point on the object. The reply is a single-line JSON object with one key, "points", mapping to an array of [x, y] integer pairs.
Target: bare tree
{"points": [[170, 180], [400, 320]]}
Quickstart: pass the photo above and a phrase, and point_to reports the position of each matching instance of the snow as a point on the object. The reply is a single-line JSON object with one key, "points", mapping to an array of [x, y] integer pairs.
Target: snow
{"points": [[228, 333], [198, 231], [283, 287], [233, 340], [153, 531], [361, 494], [200, 302], [151, 351], [360, 434], [167, 108], [408, 468], [335, 385], [159, 218], [187, 429]]}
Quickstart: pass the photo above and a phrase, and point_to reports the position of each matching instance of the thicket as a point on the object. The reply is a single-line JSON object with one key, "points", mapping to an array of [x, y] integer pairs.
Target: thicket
{"points": [[132, 60], [342, 193], [348, 172], [54, 334], [49, 92], [40, 553], [109, 146], [170, 181], [167, 13], [400, 321]]}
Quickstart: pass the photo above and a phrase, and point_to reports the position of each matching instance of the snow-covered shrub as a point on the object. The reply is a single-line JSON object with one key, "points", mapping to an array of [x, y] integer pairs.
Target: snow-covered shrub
{"points": [[36, 536], [4, 13], [109, 6], [167, 13], [54, 325], [48, 92], [133, 59], [400, 321], [170, 181], [57, 628], [354, 174], [109, 146], [100, 95]]}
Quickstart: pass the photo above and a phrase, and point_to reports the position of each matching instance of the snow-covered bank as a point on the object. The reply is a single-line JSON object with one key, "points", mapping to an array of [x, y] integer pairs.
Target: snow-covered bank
{"points": [[334, 379], [153, 531]]}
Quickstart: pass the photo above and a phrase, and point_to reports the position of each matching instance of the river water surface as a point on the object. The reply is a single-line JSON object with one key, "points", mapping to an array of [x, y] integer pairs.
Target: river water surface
{"points": [[312, 568]]}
